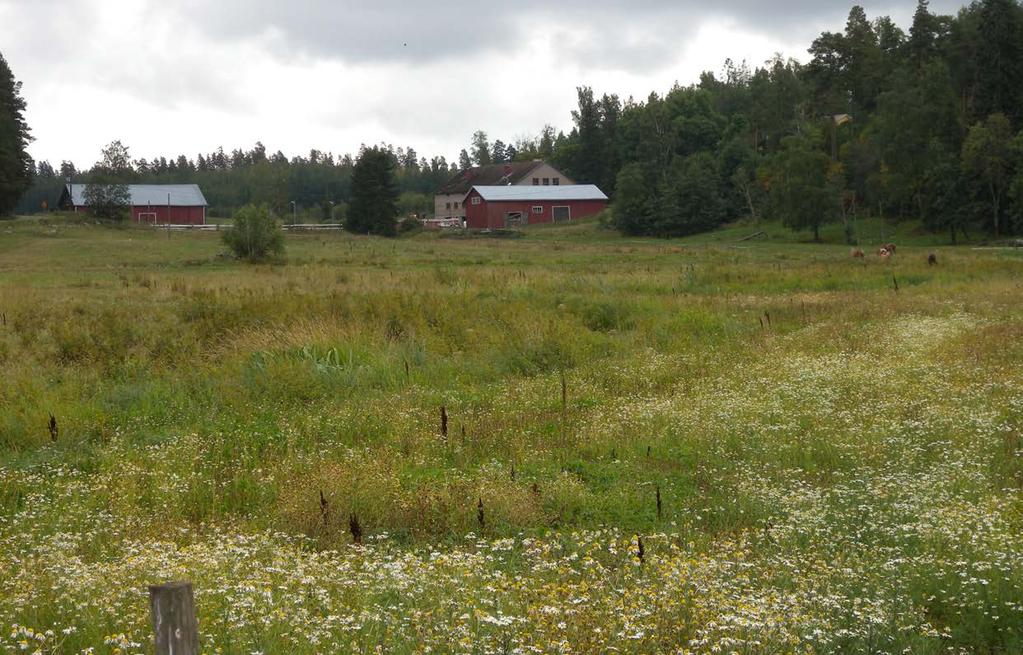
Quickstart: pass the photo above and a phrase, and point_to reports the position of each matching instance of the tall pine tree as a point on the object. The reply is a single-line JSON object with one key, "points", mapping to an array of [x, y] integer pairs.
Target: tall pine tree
{"points": [[15, 165]]}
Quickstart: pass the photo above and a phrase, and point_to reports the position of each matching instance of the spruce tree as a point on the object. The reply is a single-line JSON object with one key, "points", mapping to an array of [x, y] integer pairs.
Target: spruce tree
{"points": [[923, 34], [374, 205], [15, 164]]}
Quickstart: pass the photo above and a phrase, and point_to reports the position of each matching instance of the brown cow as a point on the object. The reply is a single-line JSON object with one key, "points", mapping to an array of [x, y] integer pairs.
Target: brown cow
{"points": [[857, 253], [884, 253], [890, 247]]}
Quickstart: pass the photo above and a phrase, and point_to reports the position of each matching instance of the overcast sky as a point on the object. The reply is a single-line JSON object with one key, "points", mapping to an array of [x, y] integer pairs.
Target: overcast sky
{"points": [[185, 76]]}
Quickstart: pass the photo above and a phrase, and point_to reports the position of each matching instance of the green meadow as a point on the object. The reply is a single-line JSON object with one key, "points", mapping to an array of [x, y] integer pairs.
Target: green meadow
{"points": [[818, 454]]}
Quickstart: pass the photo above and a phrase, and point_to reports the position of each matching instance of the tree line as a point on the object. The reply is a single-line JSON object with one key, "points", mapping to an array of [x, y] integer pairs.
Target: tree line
{"points": [[920, 124], [320, 183]]}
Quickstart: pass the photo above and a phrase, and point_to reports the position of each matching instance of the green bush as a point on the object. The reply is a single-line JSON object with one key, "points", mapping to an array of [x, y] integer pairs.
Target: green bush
{"points": [[256, 234], [408, 225], [108, 201]]}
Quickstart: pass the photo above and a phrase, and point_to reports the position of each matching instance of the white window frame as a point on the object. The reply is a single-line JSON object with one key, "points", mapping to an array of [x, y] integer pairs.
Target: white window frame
{"points": [[538, 210], [475, 200]]}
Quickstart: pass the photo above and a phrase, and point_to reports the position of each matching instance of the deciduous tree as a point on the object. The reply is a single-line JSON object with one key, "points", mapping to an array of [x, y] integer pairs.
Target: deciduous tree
{"points": [[988, 160], [802, 193]]}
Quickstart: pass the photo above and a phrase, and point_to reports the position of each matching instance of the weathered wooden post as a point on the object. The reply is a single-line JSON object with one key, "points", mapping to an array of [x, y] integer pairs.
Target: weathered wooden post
{"points": [[173, 609]]}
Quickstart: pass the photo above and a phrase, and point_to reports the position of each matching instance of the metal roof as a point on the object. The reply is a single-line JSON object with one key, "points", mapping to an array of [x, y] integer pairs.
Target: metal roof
{"points": [[181, 195], [492, 175], [563, 192]]}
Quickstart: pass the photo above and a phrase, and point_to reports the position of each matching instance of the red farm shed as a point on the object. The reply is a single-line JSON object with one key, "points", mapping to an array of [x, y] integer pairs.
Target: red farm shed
{"points": [[156, 204], [492, 207]]}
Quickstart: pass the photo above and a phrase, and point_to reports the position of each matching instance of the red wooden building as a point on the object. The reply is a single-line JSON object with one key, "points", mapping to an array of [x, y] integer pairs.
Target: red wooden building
{"points": [[156, 204], [492, 207]]}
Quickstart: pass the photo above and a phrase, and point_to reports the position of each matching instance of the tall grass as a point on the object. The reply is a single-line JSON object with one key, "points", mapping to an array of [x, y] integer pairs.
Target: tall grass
{"points": [[814, 461]]}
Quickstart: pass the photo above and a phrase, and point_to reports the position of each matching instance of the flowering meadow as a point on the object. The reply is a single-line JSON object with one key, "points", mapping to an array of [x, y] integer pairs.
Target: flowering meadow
{"points": [[564, 443]]}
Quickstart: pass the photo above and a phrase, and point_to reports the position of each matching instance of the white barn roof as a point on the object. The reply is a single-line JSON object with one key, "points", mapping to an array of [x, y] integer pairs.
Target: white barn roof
{"points": [[541, 193], [181, 195]]}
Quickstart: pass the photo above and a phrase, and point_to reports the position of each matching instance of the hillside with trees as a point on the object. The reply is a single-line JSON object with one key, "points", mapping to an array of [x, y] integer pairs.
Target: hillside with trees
{"points": [[923, 125]]}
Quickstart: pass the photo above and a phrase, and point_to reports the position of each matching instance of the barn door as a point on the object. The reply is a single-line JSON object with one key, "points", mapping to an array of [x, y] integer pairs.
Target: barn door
{"points": [[561, 213]]}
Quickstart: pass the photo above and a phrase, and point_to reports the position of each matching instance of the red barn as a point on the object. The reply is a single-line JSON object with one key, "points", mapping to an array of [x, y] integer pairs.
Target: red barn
{"points": [[491, 207], [156, 204]]}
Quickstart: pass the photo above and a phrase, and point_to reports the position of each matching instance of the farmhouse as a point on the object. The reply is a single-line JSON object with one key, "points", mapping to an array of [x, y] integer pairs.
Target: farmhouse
{"points": [[158, 204], [449, 201], [508, 206]]}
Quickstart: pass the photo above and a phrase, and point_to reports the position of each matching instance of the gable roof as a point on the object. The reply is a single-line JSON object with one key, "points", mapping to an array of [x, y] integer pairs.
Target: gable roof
{"points": [[181, 195], [565, 192], [493, 175]]}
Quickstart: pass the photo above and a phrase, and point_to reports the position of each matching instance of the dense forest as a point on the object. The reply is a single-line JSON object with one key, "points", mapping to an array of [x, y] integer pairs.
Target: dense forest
{"points": [[919, 125], [922, 125]]}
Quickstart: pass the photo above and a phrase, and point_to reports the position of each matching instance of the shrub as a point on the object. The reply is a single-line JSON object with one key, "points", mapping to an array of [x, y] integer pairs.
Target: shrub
{"points": [[256, 234], [409, 225], [108, 201]]}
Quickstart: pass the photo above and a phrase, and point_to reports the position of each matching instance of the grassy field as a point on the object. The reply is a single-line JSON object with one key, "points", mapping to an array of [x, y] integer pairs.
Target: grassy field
{"points": [[819, 454]]}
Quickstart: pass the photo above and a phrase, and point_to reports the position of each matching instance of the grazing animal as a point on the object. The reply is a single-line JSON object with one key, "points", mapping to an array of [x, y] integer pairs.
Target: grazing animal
{"points": [[53, 428], [857, 253], [890, 247], [932, 259], [884, 253]]}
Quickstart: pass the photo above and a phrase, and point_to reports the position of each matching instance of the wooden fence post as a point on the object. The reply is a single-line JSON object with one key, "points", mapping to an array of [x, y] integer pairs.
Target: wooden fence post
{"points": [[173, 609]]}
